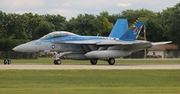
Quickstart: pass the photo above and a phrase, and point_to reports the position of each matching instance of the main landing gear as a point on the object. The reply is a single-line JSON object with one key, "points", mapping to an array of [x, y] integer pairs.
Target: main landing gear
{"points": [[57, 61], [93, 62], [111, 61]]}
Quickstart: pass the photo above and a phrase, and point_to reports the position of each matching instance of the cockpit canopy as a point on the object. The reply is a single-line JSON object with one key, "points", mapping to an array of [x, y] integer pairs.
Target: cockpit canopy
{"points": [[57, 34]]}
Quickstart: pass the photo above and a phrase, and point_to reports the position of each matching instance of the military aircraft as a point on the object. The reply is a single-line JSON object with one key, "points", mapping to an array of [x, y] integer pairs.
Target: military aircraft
{"points": [[121, 42]]}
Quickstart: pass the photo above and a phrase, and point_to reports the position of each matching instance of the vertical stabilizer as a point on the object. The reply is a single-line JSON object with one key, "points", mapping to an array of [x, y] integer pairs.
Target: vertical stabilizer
{"points": [[132, 33], [119, 28]]}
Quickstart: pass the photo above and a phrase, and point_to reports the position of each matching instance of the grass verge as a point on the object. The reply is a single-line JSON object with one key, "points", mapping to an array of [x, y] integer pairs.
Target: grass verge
{"points": [[89, 81]]}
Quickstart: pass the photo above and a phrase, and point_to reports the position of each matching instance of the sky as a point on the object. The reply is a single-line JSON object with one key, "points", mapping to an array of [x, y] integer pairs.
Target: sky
{"points": [[71, 8]]}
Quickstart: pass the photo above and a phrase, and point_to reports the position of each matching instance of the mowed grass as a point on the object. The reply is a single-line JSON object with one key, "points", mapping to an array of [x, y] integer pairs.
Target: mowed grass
{"points": [[89, 81], [49, 61]]}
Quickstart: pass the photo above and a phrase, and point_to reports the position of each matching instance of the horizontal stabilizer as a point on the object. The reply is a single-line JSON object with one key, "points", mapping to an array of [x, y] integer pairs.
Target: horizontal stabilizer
{"points": [[161, 43]]}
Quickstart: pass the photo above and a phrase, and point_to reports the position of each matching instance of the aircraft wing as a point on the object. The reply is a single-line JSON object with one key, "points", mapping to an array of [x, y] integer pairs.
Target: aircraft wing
{"points": [[161, 43], [121, 42], [105, 42], [113, 42], [99, 42]]}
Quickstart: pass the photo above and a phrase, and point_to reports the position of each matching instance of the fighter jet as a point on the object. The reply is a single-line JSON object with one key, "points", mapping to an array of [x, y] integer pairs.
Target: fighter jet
{"points": [[121, 42]]}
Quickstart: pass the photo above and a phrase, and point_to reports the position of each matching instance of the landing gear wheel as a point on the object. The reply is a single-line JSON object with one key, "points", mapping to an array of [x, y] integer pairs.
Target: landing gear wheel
{"points": [[93, 62], [57, 62], [7, 61], [111, 61]]}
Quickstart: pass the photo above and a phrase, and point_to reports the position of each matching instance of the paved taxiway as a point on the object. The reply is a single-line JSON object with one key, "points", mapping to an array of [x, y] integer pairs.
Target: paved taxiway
{"points": [[72, 67]]}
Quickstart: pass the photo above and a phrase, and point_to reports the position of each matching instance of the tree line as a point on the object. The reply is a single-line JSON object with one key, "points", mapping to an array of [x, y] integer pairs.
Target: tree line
{"points": [[16, 29]]}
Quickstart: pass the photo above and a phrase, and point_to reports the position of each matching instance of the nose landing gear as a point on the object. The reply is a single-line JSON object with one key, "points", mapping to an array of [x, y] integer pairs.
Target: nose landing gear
{"points": [[57, 62]]}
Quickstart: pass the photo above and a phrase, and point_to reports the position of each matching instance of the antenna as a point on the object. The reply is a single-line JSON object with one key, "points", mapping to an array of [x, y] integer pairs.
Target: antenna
{"points": [[144, 40], [145, 32]]}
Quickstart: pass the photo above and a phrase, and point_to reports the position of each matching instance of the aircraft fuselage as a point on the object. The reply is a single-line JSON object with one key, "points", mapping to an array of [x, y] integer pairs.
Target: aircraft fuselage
{"points": [[37, 45]]}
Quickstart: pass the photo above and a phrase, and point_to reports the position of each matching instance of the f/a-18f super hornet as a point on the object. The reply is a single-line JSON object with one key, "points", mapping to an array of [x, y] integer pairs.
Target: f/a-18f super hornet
{"points": [[121, 42]]}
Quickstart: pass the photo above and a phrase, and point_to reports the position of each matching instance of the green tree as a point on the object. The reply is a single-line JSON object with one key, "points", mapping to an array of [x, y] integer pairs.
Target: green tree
{"points": [[107, 27], [58, 21], [154, 25], [84, 24], [105, 22], [31, 21], [43, 28], [11, 30], [172, 23]]}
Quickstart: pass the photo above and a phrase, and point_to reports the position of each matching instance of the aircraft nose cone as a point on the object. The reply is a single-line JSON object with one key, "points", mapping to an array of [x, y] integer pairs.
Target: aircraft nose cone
{"points": [[14, 49], [27, 47], [17, 48], [21, 48]]}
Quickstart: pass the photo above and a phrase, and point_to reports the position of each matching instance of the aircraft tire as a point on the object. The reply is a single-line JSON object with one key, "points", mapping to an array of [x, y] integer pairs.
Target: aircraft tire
{"points": [[93, 62], [7, 61], [111, 61], [57, 62]]}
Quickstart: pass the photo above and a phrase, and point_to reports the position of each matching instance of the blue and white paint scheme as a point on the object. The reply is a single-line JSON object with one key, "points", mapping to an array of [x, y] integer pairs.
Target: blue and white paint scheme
{"points": [[121, 42]]}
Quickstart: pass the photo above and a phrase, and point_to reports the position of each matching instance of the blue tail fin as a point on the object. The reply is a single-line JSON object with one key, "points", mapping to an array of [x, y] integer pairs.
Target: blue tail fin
{"points": [[119, 28], [132, 33]]}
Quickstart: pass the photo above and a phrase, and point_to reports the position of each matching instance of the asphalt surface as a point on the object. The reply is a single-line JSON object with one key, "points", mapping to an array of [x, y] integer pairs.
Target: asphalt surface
{"points": [[74, 67]]}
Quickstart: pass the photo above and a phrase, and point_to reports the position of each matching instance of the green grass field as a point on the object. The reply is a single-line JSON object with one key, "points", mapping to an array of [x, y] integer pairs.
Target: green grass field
{"points": [[49, 61], [89, 82]]}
